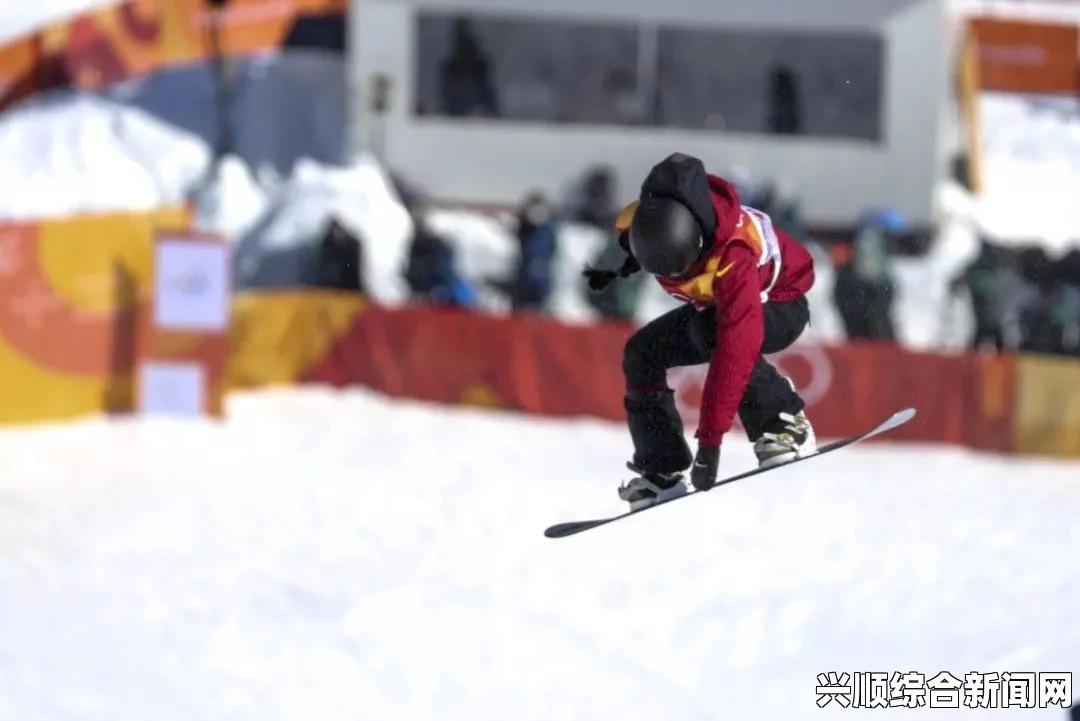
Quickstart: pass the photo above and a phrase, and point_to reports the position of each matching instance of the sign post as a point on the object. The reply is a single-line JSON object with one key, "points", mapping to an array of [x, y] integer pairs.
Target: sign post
{"points": [[183, 349]]}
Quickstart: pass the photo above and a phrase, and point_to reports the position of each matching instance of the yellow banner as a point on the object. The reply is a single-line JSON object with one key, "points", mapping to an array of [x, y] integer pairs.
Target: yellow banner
{"points": [[276, 337], [1048, 407]]}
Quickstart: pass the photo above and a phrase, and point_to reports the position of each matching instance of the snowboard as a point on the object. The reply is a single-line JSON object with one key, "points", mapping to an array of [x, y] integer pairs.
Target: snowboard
{"points": [[562, 530]]}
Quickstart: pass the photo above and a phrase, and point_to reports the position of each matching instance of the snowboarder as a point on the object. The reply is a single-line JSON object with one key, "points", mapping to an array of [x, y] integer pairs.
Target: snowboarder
{"points": [[743, 284]]}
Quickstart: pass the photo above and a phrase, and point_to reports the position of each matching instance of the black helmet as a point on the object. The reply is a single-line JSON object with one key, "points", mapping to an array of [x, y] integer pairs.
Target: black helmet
{"points": [[665, 236]]}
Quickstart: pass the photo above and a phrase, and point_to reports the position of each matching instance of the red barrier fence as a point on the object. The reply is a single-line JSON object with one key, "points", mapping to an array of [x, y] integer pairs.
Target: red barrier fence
{"points": [[540, 366]]}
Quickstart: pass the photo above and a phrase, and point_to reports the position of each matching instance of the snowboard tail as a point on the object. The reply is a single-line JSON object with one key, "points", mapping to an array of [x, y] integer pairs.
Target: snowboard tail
{"points": [[562, 530]]}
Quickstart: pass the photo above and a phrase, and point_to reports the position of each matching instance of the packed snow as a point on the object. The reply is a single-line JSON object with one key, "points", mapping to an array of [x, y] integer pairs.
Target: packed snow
{"points": [[73, 152], [361, 197], [335, 555]]}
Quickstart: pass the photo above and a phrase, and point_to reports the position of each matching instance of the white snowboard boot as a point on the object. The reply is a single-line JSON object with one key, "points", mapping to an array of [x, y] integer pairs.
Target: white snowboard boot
{"points": [[650, 488], [788, 438]]}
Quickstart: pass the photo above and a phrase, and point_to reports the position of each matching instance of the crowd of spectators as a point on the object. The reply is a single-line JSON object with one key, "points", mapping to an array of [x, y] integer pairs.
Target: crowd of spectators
{"points": [[1020, 299]]}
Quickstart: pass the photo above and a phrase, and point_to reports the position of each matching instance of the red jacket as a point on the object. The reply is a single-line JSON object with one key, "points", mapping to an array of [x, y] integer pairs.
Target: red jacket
{"points": [[734, 275]]}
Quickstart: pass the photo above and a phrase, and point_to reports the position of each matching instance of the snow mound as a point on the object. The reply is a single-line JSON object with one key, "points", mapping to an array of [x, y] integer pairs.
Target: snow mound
{"points": [[231, 201], [70, 152], [360, 196]]}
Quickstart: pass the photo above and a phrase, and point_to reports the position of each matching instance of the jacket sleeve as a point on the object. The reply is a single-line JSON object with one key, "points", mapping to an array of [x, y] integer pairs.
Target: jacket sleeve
{"points": [[740, 333]]}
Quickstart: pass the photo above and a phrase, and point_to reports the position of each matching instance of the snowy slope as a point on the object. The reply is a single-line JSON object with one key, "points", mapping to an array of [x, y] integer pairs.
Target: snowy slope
{"points": [[270, 250], [339, 557]]}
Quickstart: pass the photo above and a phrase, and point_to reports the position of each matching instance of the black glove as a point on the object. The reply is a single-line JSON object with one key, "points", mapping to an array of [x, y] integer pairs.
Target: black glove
{"points": [[599, 279], [706, 463]]}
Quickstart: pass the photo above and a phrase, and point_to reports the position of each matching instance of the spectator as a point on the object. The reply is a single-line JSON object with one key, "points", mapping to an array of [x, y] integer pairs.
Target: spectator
{"points": [[1034, 302], [991, 283], [865, 290], [466, 88], [743, 180], [1069, 274], [1050, 324], [785, 103], [778, 199], [340, 259], [618, 301], [595, 204], [530, 286], [431, 272], [1069, 269]]}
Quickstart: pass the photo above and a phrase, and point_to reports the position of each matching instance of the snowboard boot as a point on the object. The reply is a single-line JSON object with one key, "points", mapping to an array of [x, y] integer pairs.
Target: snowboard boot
{"points": [[650, 488], [787, 438]]}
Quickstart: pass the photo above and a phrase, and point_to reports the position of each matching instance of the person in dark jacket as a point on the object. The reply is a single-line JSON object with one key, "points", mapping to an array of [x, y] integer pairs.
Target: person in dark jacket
{"points": [[431, 271], [532, 280], [992, 283], [618, 301], [744, 284], [538, 244], [339, 260], [865, 290], [466, 88]]}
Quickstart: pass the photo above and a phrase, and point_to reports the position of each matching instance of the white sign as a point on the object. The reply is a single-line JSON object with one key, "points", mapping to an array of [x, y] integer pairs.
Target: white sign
{"points": [[176, 389], [191, 291]]}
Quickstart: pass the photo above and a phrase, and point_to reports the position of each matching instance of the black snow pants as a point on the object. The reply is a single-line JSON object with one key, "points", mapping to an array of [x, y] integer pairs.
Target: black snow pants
{"points": [[687, 337]]}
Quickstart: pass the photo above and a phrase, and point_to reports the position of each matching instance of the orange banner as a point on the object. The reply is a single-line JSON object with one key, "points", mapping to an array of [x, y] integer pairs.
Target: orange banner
{"points": [[20, 72], [111, 44], [1016, 56]]}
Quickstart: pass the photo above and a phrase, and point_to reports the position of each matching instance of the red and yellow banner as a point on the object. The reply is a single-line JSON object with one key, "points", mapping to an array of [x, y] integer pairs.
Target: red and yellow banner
{"points": [[74, 291], [539, 366], [111, 44], [73, 295]]}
